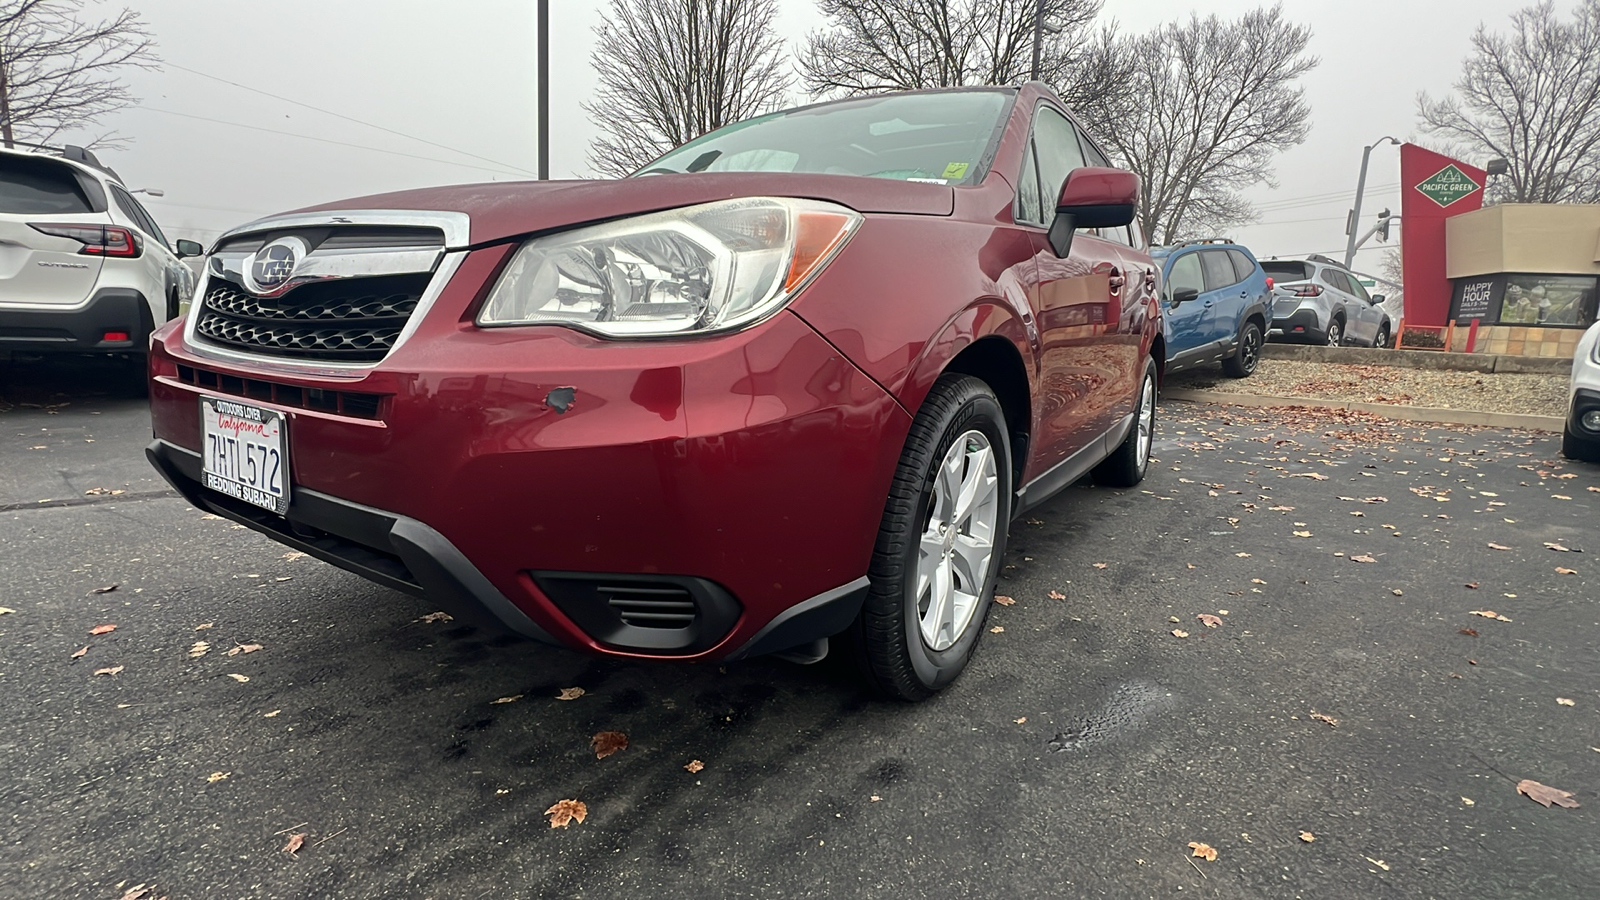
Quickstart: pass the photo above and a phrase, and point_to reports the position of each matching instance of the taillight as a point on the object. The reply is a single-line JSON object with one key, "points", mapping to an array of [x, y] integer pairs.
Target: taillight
{"points": [[97, 240], [1308, 290], [1269, 284]]}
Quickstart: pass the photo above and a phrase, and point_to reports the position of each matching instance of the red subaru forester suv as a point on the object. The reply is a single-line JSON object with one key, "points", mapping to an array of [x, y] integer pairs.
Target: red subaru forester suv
{"points": [[789, 383]]}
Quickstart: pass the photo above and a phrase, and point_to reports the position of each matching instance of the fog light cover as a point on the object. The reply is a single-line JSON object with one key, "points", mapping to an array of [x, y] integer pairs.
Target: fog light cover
{"points": [[1591, 420]]}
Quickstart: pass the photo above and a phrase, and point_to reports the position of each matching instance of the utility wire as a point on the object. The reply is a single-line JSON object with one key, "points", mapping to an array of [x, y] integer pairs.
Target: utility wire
{"points": [[307, 137], [329, 112]]}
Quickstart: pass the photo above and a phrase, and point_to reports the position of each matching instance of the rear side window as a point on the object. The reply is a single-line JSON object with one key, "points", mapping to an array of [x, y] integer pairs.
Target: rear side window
{"points": [[40, 187], [1219, 271], [1337, 280], [1287, 270], [1242, 266], [1056, 143]]}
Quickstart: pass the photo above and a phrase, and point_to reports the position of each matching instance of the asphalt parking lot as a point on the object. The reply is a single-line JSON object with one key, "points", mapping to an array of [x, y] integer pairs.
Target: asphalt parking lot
{"points": [[1353, 694]]}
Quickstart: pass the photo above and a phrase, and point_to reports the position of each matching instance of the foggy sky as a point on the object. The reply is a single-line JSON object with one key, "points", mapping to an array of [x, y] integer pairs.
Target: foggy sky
{"points": [[462, 75]]}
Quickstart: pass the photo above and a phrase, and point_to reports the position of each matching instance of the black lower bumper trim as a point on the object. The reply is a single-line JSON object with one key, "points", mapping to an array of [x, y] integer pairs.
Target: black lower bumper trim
{"points": [[82, 329], [393, 550], [1300, 318], [822, 616]]}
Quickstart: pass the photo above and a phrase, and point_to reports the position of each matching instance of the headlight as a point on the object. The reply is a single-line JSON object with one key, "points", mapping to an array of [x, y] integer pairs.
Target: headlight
{"points": [[687, 271]]}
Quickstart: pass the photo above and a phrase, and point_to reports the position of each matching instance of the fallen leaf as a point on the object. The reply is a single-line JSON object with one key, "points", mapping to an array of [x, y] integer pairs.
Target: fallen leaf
{"points": [[292, 555], [81, 652], [1470, 632], [1257, 581], [1307, 836], [1494, 546], [1556, 547], [1242, 555], [1471, 584], [1564, 571], [1398, 593], [200, 648], [1099, 565], [215, 777], [1330, 721], [565, 811], [243, 648], [436, 617], [1490, 614], [571, 693], [1302, 534], [272, 714], [998, 629], [108, 671], [1204, 851], [1057, 595], [1179, 633], [1313, 475], [1281, 508], [6, 610], [137, 892], [295, 841], [105, 590], [1020, 721], [203, 626], [1545, 795], [511, 699], [694, 765], [1363, 558], [239, 678], [102, 629], [1566, 701], [1209, 620], [1003, 600], [606, 743], [1468, 801]]}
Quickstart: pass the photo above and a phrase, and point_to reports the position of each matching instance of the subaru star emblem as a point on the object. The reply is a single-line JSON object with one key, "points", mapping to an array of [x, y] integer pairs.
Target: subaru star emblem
{"points": [[273, 265]]}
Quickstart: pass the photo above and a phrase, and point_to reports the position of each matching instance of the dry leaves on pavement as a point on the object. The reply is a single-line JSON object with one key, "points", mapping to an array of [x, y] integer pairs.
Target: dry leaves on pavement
{"points": [[1179, 633], [1562, 570], [694, 765], [215, 777], [564, 812], [1204, 851], [606, 743], [6, 610], [110, 670], [1307, 836], [243, 648], [1330, 721], [511, 699], [1099, 565], [571, 693], [1490, 614], [1003, 600], [1363, 558], [296, 840], [432, 617], [1209, 620], [1544, 795], [1057, 595], [1494, 546], [200, 648], [81, 651], [102, 629], [998, 629], [105, 590], [239, 678], [1559, 548], [1566, 701]]}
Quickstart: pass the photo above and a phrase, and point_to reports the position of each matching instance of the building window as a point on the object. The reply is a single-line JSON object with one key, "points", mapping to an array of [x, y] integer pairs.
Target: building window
{"points": [[1556, 301]]}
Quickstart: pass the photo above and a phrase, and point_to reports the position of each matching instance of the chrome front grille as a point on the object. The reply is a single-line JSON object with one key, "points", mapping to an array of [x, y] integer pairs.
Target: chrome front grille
{"points": [[350, 320]]}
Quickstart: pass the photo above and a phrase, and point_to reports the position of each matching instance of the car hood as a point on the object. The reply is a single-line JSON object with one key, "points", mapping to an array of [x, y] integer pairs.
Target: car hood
{"points": [[501, 210]]}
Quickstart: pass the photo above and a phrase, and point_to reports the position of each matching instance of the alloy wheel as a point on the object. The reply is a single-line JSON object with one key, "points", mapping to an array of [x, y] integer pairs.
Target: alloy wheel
{"points": [[1335, 334], [1250, 353], [958, 541], [1147, 421]]}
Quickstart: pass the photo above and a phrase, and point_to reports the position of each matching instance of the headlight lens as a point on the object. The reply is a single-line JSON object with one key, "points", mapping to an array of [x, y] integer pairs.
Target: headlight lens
{"points": [[695, 270]]}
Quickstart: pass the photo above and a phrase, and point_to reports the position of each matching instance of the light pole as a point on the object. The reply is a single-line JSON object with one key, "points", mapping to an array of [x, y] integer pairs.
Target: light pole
{"points": [[544, 90], [1355, 214], [1038, 38]]}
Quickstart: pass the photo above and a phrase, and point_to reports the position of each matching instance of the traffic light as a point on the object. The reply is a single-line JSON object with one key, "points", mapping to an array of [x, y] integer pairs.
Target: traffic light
{"points": [[1383, 226]]}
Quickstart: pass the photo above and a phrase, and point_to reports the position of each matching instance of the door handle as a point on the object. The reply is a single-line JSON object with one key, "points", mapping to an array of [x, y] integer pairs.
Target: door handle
{"points": [[1208, 304]]}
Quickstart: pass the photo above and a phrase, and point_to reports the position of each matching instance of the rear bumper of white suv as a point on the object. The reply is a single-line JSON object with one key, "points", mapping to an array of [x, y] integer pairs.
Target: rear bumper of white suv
{"points": [[113, 320]]}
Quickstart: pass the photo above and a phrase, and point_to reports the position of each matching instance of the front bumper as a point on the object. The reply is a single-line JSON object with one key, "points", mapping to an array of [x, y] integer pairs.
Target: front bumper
{"points": [[82, 328], [497, 466], [1584, 400]]}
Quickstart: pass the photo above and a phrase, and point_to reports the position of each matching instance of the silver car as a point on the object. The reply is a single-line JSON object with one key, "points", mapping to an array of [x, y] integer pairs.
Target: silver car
{"points": [[1318, 301]]}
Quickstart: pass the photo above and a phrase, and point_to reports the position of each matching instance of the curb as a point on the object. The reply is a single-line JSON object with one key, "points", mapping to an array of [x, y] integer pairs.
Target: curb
{"points": [[1419, 359], [1387, 410]]}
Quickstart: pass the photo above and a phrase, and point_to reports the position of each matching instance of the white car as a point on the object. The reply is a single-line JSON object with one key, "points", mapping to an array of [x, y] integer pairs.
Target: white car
{"points": [[1581, 440], [83, 267]]}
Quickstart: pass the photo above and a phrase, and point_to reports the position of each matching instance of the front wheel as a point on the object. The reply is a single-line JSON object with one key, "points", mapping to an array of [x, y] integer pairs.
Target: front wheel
{"points": [[1382, 340], [1579, 448], [1335, 333], [1242, 364], [1126, 465], [940, 543]]}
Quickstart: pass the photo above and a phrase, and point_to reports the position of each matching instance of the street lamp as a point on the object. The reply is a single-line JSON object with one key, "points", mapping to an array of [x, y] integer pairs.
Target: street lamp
{"points": [[1361, 187], [1039, 29]]}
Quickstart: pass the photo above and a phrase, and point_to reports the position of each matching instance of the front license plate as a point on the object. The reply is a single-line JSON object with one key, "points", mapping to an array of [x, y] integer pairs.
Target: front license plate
{"points": [[245, 452]]}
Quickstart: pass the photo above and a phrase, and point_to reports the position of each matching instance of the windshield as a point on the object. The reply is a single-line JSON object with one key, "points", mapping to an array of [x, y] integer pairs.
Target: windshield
{"points": [[941, 137]]}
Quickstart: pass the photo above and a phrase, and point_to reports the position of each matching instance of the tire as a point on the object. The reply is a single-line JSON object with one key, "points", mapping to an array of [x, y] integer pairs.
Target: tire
{"points": [[1243, 362], [1579, 448], [1382, 340], [1126, 465], [908, 648], [1336, 333]]}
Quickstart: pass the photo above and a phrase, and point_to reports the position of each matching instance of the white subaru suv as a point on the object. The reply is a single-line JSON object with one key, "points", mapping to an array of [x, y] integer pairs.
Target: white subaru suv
{"points": [[83, 267], [1581, 438]]}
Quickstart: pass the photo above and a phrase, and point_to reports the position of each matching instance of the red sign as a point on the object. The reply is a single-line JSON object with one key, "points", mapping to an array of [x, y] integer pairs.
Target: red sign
{"points": [[1433, 187]]}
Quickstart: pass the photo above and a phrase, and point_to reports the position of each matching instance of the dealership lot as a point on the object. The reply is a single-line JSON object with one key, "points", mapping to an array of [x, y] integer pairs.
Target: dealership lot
{"points": [[1085, 749]]}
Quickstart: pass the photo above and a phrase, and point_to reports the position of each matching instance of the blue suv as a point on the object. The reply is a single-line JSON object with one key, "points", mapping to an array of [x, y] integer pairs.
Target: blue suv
{"points": [[1217, 302]]}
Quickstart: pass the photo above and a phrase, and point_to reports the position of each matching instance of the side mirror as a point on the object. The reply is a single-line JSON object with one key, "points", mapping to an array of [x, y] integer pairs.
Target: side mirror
{"points": [[190, 248], [1378, 299], [1093, 197], [1184, 295]]}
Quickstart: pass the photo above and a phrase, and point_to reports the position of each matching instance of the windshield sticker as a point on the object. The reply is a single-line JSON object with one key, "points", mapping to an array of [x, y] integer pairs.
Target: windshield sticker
{"points": [[956, 170], [930, 180]]}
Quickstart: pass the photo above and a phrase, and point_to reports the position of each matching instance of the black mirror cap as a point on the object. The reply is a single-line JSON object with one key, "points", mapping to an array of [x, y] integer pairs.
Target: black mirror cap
{"points": [[1184, 295], [1379, 298], [1070, 218], [190, 248]]}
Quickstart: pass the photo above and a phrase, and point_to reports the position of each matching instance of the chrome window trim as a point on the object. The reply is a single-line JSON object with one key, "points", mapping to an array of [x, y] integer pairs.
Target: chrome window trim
{"points": [[457, 226], [441, 277]]}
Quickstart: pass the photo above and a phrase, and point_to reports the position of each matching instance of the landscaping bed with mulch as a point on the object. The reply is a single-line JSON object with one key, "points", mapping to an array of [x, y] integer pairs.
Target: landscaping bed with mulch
{"points": [[1540, 395]]}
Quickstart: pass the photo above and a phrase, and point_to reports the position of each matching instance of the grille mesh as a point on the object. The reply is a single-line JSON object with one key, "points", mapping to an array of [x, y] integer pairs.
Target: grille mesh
{"points": [[351, 320]]}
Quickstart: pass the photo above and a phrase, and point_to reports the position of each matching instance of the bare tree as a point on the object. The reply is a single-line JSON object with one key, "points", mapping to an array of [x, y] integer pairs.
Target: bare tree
{"points": [[60, 70], [1215, 100], [887, 45], [672, 70], [1532, 97]]}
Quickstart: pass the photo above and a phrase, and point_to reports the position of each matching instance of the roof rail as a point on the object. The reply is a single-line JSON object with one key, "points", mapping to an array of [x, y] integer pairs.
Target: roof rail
{"points": [[1319, 258], [73, 153]]}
